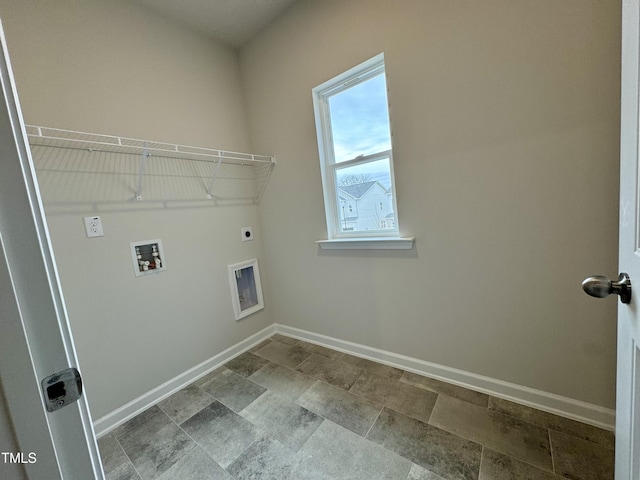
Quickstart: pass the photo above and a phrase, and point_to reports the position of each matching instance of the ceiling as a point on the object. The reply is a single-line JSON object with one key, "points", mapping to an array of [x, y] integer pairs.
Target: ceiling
{"points": [[233, 22]]}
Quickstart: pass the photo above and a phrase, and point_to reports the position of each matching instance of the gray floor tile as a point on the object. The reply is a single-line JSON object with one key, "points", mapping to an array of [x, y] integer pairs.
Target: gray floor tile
{"points": [[115, 463], [281, 409], [335, 452], [123, 472], [330, 371], [554, 422], [419, 473], [246, 364], [304, 472], [235, 391], [506, 434], [196, 465], [412, 401], [320, 350], [221, 433], [265, 459], [111, 453], [441, 452], [373, 367], [283, 354], [374, 387], [497, 466], [209, 376], [282, 380], [448, 389], [350, 411], [185, 403], [284, 339], [581, 459], [153, 442], [262, 344], [287, 422]]}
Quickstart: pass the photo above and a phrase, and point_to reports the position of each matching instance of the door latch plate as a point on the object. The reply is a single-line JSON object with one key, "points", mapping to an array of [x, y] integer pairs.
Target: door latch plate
{"points": [[61, 389]]}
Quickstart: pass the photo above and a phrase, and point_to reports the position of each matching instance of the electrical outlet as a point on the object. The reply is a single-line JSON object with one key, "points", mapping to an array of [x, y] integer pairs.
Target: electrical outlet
{"points": [[247, 234], [93, 227]]}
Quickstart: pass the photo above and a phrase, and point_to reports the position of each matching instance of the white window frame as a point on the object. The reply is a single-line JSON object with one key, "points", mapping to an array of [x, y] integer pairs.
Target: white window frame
{"points": [[328, 166]]}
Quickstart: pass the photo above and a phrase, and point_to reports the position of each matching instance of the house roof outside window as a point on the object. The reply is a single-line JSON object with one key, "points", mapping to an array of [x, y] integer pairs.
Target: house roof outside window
{"points": [[357, 190]]}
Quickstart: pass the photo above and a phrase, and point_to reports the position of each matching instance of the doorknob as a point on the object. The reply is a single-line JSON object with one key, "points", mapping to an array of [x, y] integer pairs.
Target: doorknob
{"points": [[600, 286]]}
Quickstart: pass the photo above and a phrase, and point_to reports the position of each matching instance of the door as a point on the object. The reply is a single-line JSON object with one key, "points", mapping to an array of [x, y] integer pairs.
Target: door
{"points": [[36, 340], [628, 377]]}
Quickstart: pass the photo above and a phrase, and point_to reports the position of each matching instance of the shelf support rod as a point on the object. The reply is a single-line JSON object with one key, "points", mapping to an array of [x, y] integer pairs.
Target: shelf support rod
{"points": [[213, 179], [264, 182], [143, 163]]}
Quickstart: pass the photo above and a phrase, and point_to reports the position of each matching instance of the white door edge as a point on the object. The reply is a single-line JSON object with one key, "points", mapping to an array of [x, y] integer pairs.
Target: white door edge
{"points": [[36, 339]]}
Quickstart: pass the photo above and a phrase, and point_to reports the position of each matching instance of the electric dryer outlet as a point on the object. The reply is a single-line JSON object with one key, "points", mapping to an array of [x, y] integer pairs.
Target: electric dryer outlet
{"points": [[247, 234]]}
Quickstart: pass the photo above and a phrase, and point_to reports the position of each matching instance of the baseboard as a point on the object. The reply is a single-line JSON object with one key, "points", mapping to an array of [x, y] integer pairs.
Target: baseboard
{"points": [[110, 421], [548, 402]]}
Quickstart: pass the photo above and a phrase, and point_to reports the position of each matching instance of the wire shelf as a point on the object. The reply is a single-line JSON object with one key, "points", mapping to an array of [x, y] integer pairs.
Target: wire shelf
{"points": [[150, 170]]}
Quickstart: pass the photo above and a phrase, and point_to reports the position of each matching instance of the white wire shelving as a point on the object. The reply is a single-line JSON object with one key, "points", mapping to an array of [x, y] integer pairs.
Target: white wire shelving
{"points": [[150, 170]]}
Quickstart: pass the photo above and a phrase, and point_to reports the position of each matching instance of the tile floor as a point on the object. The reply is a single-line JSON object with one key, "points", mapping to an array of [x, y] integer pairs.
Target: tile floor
{"points": [[290, 410]]}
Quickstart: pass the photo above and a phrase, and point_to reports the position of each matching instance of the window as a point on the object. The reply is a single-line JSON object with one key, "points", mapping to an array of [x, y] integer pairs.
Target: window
{"points": [[354, 143]]}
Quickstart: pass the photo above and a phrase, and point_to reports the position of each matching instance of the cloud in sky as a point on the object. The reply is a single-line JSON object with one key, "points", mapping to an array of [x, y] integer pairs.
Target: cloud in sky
{"points": [[360, 120]]}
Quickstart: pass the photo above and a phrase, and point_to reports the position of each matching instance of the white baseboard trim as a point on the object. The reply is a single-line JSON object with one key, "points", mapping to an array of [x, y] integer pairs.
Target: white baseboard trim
{"points": [[110, 421], [548, 402]]}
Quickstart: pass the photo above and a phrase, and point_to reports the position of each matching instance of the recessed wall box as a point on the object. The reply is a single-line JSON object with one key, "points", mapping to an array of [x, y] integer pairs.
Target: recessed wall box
{"points": [[247, 234], [148, 257], [246, 290]]}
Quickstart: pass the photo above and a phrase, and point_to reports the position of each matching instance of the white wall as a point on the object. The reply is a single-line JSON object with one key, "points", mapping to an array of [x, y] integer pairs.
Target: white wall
{"points": [[505, 132], [112, 68]]}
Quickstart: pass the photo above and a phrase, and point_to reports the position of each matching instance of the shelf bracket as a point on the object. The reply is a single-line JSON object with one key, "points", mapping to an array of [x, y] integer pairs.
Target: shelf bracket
{"points": [[210, 195], [264, 184], [143, 164]]}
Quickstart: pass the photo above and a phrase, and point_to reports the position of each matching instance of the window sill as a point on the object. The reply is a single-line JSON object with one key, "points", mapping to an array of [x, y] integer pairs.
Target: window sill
{"points": [[372, 243]]}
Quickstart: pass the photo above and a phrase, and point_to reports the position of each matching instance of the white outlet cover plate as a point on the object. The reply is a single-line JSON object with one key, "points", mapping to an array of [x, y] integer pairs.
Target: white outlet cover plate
{"points": [[93, 227], [247, 234]]}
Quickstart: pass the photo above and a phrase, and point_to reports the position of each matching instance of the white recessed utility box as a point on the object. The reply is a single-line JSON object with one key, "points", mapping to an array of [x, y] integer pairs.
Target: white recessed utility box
{"points": [[246, 290], [148, 257]]}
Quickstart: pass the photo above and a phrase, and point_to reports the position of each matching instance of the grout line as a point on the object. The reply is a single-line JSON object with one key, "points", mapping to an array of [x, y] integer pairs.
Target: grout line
{"points": [[553, 463], [357, 380], [432, 409], [540, 424], [297, 452], [520, 460], [126, 455], [373, 423], [268, 434], [295, 400]]}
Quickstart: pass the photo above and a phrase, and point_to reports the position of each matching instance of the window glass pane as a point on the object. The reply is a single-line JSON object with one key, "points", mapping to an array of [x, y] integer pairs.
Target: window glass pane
{"points": [[360, 119], [365, 197]]}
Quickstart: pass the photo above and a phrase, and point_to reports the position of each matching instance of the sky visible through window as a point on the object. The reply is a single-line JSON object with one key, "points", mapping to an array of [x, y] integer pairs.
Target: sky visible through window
{"points": [[360, 126]]}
